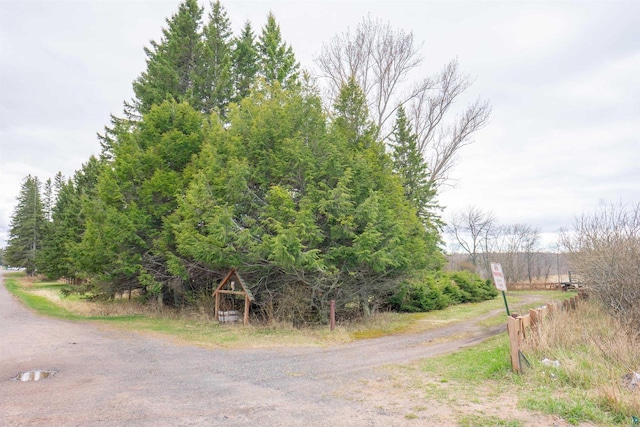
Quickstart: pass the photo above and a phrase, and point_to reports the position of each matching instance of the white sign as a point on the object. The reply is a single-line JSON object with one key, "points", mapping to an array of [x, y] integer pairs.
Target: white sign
{"points": [[498, 277]]}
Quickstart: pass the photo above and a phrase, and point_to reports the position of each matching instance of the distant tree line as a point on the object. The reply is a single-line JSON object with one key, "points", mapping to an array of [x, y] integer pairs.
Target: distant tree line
{"points": [[229, 157], [477, 234]]}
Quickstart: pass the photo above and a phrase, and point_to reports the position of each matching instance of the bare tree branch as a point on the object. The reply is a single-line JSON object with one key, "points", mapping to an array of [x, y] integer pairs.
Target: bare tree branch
{"points": [[381, 59]]}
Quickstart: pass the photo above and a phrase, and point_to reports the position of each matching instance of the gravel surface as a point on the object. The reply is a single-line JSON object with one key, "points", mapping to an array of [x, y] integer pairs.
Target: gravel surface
{"points": [[108, 377]]}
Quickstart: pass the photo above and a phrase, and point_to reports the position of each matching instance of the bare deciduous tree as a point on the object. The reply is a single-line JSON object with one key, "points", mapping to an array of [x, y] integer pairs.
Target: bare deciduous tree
{"points": [[381, 58], [604, 249], [438, 140], [471, 229], [514, 247]]}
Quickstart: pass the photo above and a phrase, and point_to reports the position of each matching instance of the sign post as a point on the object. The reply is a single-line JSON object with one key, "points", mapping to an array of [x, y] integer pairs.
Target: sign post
{"points": [[500, 282]]}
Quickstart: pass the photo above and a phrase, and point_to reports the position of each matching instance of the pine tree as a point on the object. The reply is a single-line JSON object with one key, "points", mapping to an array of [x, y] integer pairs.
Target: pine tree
{"points": [[277, 60], [300, 208], [412, 168], [172, 64], [26, 227], [215, 66], [59, 255], [245, 63], [351, 114], [134, 196]]}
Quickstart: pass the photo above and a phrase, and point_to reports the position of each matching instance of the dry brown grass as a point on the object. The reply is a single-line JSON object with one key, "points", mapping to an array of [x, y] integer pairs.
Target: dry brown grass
{"points": [[595, 351]]}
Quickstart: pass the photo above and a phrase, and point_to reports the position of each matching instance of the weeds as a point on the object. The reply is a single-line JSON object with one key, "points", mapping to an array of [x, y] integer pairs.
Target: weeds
{"points": [[595, 351]]}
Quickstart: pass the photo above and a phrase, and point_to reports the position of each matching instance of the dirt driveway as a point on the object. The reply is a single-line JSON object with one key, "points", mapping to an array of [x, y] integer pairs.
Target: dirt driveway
{"points": [[108, 377]]}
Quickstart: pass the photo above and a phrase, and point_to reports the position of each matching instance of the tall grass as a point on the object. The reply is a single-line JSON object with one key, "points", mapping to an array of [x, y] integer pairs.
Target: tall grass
{"points": [[596, 354]]}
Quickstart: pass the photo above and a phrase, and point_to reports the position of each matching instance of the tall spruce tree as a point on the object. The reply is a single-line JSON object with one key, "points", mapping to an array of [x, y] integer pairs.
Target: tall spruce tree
{"points": [[172, 64], [215, 82], [126, 219], [245, 63], [351, 114], [305, 213], [410, 165], [26, 228], [59, 255], [277, 60]]}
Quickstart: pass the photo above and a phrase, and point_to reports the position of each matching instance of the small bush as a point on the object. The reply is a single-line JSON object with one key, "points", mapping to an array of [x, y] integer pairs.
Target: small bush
{"points": [[435, 291]]}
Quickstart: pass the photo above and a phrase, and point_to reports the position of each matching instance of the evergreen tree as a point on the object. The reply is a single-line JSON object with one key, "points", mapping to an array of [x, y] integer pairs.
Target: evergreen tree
{"points": [[277, 60], [59, 182], [215, 82], [26, 227], [126, 219], [245, 63], [409, 164], [300, 209], [351, 114], [59, 255], [172, 64]]}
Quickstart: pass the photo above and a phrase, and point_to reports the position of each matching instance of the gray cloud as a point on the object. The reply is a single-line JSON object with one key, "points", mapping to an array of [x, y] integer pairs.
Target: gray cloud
{"points": [[563, 78]]}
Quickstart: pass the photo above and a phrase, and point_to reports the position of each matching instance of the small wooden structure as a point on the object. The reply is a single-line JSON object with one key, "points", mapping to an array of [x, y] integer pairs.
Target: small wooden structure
{"points": [[228, 287]]}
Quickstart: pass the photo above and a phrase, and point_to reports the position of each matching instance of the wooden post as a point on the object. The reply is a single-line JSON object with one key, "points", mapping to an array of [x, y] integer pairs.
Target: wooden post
{"points": [[245, 320], [525, 322], [217, 307], [332, 315], [513, 326], [533, 313], [542, 314]]}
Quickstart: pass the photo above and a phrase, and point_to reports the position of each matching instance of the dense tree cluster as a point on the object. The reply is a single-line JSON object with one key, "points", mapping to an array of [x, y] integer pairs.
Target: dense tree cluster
{"points": [[227, 158]]}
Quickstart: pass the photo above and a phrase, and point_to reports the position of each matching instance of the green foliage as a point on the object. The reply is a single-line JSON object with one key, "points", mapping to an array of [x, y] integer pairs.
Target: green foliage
{"points": [[245, 63], [277, 60], [351, 114], [410, 165], [137, 192], [59, 254], [214, 70], [436, 290], [297, 207], [27, 227], [172, 72], [307, 208]]}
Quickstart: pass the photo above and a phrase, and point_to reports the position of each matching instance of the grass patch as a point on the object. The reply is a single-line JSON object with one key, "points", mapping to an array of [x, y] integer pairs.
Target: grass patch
{"points": [[41, 304], [594, 352], [487, 361], [487, 421]]}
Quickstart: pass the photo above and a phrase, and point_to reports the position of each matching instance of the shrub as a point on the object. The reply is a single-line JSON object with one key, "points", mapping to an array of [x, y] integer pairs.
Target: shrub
{"points": [[604, 249], [435, 291]]}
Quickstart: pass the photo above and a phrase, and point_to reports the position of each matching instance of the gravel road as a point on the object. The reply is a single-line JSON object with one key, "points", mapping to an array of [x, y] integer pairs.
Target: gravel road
{"points": [[108, 377]]}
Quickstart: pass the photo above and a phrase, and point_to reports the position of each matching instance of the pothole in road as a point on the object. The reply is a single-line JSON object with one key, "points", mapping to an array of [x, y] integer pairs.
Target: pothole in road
{"points": [[36, 375]]}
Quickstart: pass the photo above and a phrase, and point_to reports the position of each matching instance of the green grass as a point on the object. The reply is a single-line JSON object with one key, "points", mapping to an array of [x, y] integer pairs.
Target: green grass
{"points": [[486, 421], [487, 361], [36, 302], [585, 388]]}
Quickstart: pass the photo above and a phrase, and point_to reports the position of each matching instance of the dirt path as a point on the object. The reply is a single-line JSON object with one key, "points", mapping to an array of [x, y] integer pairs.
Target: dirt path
{"points": [[108, 377]]}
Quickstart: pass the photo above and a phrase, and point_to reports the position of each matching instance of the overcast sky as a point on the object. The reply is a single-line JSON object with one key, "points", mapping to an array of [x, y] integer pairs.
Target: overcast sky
{"points": [[563, 79]]}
